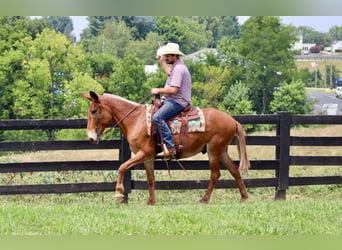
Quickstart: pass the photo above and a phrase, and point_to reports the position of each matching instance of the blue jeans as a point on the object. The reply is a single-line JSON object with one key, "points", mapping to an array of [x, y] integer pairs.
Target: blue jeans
{"points": [[166, 111]]}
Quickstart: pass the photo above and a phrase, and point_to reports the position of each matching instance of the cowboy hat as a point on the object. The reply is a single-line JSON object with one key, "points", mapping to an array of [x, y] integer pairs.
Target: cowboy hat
{"points": [[169, 49]]}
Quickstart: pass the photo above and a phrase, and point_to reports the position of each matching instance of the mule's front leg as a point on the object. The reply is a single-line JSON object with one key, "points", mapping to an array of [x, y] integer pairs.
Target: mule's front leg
{"points": [[119, 196]]}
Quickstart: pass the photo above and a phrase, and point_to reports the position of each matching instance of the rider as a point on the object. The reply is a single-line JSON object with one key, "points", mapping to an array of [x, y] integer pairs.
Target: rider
{"points": [[176, 91]]}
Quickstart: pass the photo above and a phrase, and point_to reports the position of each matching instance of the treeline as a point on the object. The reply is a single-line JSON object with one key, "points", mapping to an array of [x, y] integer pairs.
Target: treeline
{"points": [[43, 69]]}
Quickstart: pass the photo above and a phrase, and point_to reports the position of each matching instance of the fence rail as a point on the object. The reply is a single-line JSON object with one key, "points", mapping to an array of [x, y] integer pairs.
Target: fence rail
{"points": [[281, 163]]}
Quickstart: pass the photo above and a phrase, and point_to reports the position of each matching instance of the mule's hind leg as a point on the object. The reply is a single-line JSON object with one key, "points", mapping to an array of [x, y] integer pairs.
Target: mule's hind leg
{"points": [[234, 171], [214, 176], [149, 168]]}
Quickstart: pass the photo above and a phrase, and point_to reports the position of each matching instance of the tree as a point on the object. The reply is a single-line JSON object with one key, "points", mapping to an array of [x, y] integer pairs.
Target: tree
{"points": [[146, 49], [218, 27], [211, 91], [117, 36], [12, 30], [102, 65], [310, 35], [265, 46], [13, 38], [335, 33], [62, 24], [113, 39], [95, 26], [189, 34], [140, 25], [53, 66], [228, 50], [291, 97], [236, 100], [128, 78]]}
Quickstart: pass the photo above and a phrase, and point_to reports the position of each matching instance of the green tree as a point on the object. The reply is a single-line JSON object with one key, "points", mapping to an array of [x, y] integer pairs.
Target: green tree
{"points": [[211, 91], [189, 34], [102, 65], [13, 37], [291, 97], [335, 33], [228, 50], [236, 100], [117, 36], [62, 24], [310, 35], [146, 49], [12, 30], [95, 26], [113, 39], [265, 46], [54, 63], [50, 66], [217, 27], [128, 78], [140, 25], [155, 80]]}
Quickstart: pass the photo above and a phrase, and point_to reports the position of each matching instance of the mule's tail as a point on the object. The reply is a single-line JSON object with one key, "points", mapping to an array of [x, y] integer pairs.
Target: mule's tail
{"points": [[241, 145]]}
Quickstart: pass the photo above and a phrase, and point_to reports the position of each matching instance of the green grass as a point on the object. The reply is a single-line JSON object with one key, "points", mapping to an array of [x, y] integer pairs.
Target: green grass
{"points": [[308, 211]]}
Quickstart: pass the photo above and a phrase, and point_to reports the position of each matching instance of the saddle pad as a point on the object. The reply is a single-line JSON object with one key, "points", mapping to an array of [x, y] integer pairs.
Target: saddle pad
{"points": [[194, 125]]}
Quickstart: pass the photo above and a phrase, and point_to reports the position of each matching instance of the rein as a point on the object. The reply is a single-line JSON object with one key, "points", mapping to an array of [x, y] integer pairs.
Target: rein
{"points": [[127, 114]]}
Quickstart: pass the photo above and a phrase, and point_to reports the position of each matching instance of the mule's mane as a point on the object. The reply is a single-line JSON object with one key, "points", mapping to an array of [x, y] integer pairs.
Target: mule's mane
{"points": [[120, 98]]}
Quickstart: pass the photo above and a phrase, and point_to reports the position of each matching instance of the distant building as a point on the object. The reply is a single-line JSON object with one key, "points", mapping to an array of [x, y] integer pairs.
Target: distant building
{"points": [[200, 55], [303, 47], [337, 46]]}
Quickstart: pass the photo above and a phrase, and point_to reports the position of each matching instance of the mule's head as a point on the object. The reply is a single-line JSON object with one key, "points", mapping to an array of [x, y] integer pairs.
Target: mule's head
{"points": [[99, 117]]}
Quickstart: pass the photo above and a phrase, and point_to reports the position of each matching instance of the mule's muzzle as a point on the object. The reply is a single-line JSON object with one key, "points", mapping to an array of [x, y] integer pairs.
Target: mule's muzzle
{"points": [[94, 137], [94, 141]]}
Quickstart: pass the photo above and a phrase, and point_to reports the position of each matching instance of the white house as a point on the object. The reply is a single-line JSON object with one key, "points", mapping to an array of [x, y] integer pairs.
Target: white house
{"points": [[200, 55], [303, 47], [337, 46]]}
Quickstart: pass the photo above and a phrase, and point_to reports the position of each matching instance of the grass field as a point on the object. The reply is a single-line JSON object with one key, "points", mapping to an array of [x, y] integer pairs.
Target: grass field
{"points": [[308, 210], [293, 217], [322, 68]]}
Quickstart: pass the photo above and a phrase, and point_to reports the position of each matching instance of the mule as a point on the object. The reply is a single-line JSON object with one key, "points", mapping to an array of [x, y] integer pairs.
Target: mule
{"points": [[220, 129]]}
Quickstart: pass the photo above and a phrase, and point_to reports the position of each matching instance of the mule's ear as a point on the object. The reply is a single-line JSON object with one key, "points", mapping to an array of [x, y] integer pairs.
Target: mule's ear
{"points": [[87, 96], [94, 96]]}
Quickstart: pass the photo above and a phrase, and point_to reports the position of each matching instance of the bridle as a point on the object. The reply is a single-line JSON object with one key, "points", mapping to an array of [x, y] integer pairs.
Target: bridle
{"points": [[98, 116]]}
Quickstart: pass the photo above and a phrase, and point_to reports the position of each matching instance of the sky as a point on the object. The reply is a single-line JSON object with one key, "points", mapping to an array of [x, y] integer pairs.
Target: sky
{"points": [[318, 23]]}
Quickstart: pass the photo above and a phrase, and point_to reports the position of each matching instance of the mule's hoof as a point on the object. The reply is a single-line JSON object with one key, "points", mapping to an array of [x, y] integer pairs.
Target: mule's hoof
{"points": [[119, 198], [243, 200], [150, 202], [202, 201]]}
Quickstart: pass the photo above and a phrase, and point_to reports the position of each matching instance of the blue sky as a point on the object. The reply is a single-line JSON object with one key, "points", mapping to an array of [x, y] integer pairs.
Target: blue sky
{"points": [[319, 23]]}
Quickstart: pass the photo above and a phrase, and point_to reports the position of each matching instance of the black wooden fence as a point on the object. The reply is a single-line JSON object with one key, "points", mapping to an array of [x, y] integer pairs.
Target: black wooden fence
{"points": [[281, 163]]}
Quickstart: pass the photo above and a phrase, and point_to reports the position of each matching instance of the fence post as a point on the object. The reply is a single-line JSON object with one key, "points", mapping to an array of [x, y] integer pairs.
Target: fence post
{"points": [[125, 154], [283, 154]]}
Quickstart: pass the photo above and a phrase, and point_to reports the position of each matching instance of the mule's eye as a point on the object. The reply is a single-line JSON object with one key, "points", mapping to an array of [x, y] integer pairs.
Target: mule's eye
{"points": [[93, 112]]}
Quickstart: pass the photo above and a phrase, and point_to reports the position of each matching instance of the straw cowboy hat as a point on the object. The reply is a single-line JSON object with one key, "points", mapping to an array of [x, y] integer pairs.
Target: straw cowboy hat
{"points": [[170, 49]]}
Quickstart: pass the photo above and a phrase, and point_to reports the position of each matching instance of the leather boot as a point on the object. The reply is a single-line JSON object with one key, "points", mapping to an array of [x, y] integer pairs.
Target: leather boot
{"points": [[168, 153]]}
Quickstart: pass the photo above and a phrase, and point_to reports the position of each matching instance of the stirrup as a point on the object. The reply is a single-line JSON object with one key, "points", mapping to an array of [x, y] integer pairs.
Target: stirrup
{"points": [[167, 153]]}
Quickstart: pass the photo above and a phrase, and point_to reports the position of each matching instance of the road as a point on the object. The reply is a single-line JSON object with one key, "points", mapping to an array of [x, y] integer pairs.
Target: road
{"points": [[326, 103]]}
